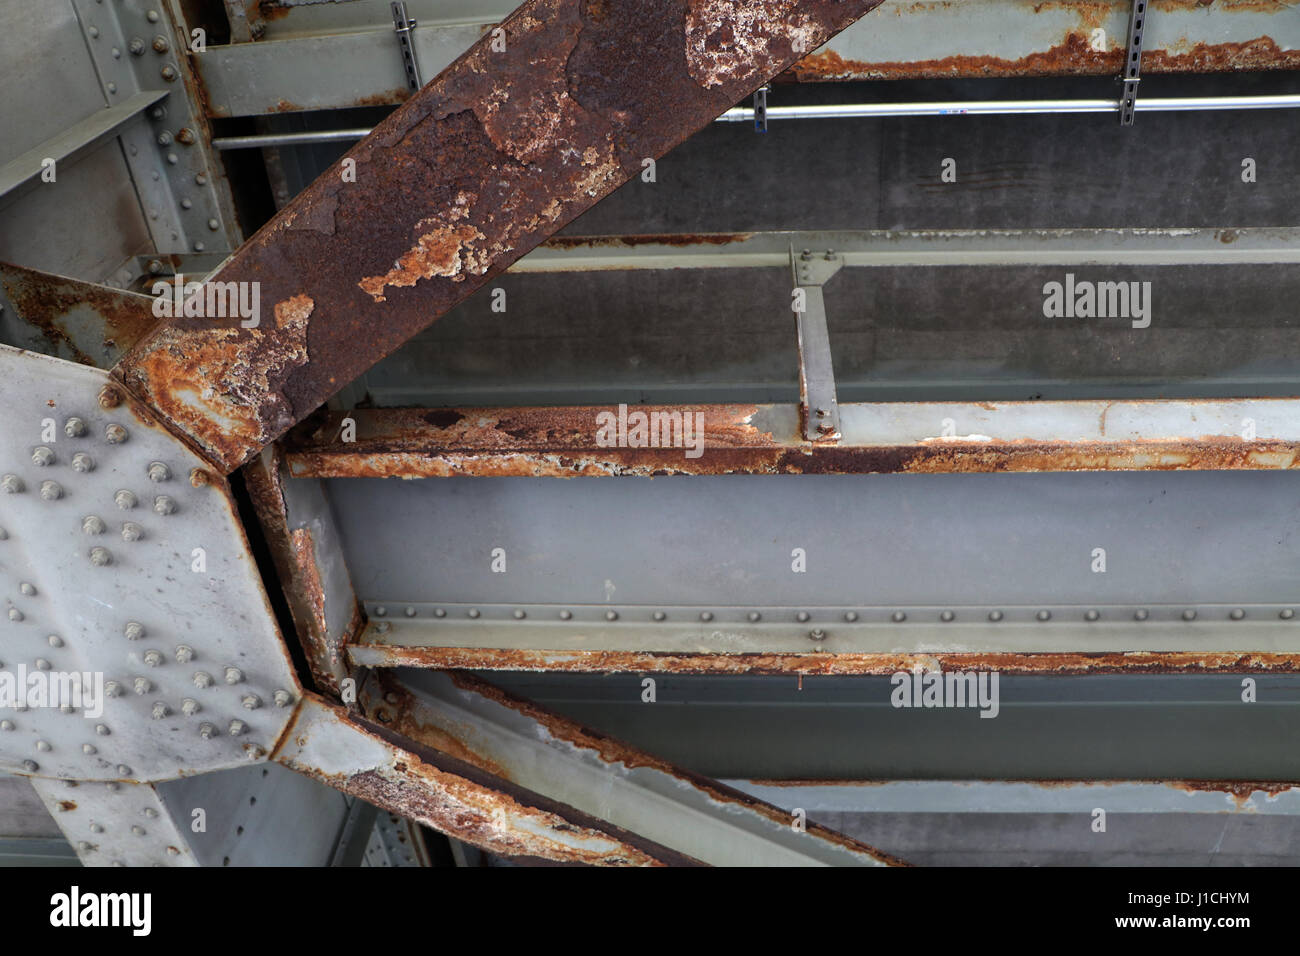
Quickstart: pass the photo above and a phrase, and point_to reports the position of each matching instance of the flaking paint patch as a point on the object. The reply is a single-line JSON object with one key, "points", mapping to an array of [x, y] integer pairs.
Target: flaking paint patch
{"points": [[727, 45]]}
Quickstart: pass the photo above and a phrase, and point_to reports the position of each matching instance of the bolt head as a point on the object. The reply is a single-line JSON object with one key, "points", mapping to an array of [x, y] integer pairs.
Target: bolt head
{"points": [[74, 427], [142, 685], [83, 463], [109, 397], [115, 434], [51, 491], [42, 456], [164, 505], [233, 675], [101, 557]]}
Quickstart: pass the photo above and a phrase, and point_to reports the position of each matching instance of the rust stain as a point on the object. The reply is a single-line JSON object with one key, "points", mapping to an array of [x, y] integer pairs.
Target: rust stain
{"points": [[46, 302], [649, 662], [1074, 56], [67, 805], [399, 94], [395, 707], [561, 442]]}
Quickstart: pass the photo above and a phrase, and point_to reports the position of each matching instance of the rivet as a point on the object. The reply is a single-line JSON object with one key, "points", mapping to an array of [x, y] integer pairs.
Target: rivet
{"points": [[160, 44], [102, 730], [237, 727], [112, 786], [1092, 615], [472, 612], [112, 87], [706, 615], [214, 225], [15, 614], [54, 640], [134, 630], [159, 710], [100, 557], [946, 615], [1189, 615], [802, 616], [1237, 614], [251, 701], [163, 505], [168, 73], [898, 617], [6, 725], [202, 679], [184, 653], [187, 204], [94, 33], [51, 490], [611, 615], [206, 730], [439, 612], [383, 627], [115, 434], [189, 706], [158, 471], [142, 685], [201, 179], [84, 847], [255, 752], [199, 246], [136, 46], [137, 829], [755, 616], [1141, 614], [410, 612], [1044, 615], [43, 746], [126, 500], [27, 588], [42, 456], [88, 748], [11, 484], [31, 766], [282, 698], [109, 397], [152, 16], [150, 812], [42, 664], [132, 531], [851, 616], [817, 634], [381, 611], [83, 463], [153, 658], [519, 614], [113, 689], [234, 675], [1286, 614], [199, 478], [566, 615], [658, 616]]}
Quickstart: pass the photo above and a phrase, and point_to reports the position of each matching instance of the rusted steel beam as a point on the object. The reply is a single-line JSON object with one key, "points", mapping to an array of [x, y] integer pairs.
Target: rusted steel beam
{"points": [[413, 780], [324, 607], [372, 652], [922, 438], [532, 126], [530, 746]]}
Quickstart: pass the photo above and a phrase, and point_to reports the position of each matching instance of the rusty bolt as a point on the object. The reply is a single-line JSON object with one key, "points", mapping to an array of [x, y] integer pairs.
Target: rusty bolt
{"points": [[826, 428], [817, 634], [42, 456], [169, 73], [137, 46], [185, 136], [109, 397], [160, 44]]}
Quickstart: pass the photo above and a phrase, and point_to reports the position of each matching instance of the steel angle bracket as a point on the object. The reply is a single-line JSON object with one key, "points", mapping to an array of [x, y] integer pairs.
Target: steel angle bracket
{"points": [[819, 411]]}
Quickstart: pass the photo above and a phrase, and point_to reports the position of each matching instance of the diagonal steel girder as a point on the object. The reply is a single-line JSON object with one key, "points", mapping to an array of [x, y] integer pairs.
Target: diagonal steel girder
{"points": [[546, 115]]}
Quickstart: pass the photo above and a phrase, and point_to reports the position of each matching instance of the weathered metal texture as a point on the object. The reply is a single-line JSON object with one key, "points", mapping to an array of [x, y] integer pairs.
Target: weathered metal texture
{"points": [[913, 438], [532, 747], [370, 652], [497, 153], [70, 319], [118, 824], [325, 617], [451, 795], [937, 39]]}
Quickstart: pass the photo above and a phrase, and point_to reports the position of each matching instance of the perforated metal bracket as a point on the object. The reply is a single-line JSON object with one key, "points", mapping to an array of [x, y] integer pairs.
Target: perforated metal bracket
{"points": [[404, 25], [818, 408], [1132, 63], [760, 109]]}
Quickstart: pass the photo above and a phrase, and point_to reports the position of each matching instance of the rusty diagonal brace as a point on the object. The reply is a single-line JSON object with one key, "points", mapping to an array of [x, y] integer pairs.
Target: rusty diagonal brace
{"points": [[537, 122]]}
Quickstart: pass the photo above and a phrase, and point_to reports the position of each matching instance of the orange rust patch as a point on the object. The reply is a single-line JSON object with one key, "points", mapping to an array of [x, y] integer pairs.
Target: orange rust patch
{"points": [[437, 253]]}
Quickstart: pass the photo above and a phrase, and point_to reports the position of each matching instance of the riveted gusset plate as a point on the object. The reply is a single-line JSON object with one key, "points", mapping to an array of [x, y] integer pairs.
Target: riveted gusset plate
{"points": [[123, 561], [116, 824]]}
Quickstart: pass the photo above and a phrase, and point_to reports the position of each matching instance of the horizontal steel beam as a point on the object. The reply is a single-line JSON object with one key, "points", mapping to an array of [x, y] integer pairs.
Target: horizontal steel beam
{"points": [[921, 248], [901, 41], [913, 438]]}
